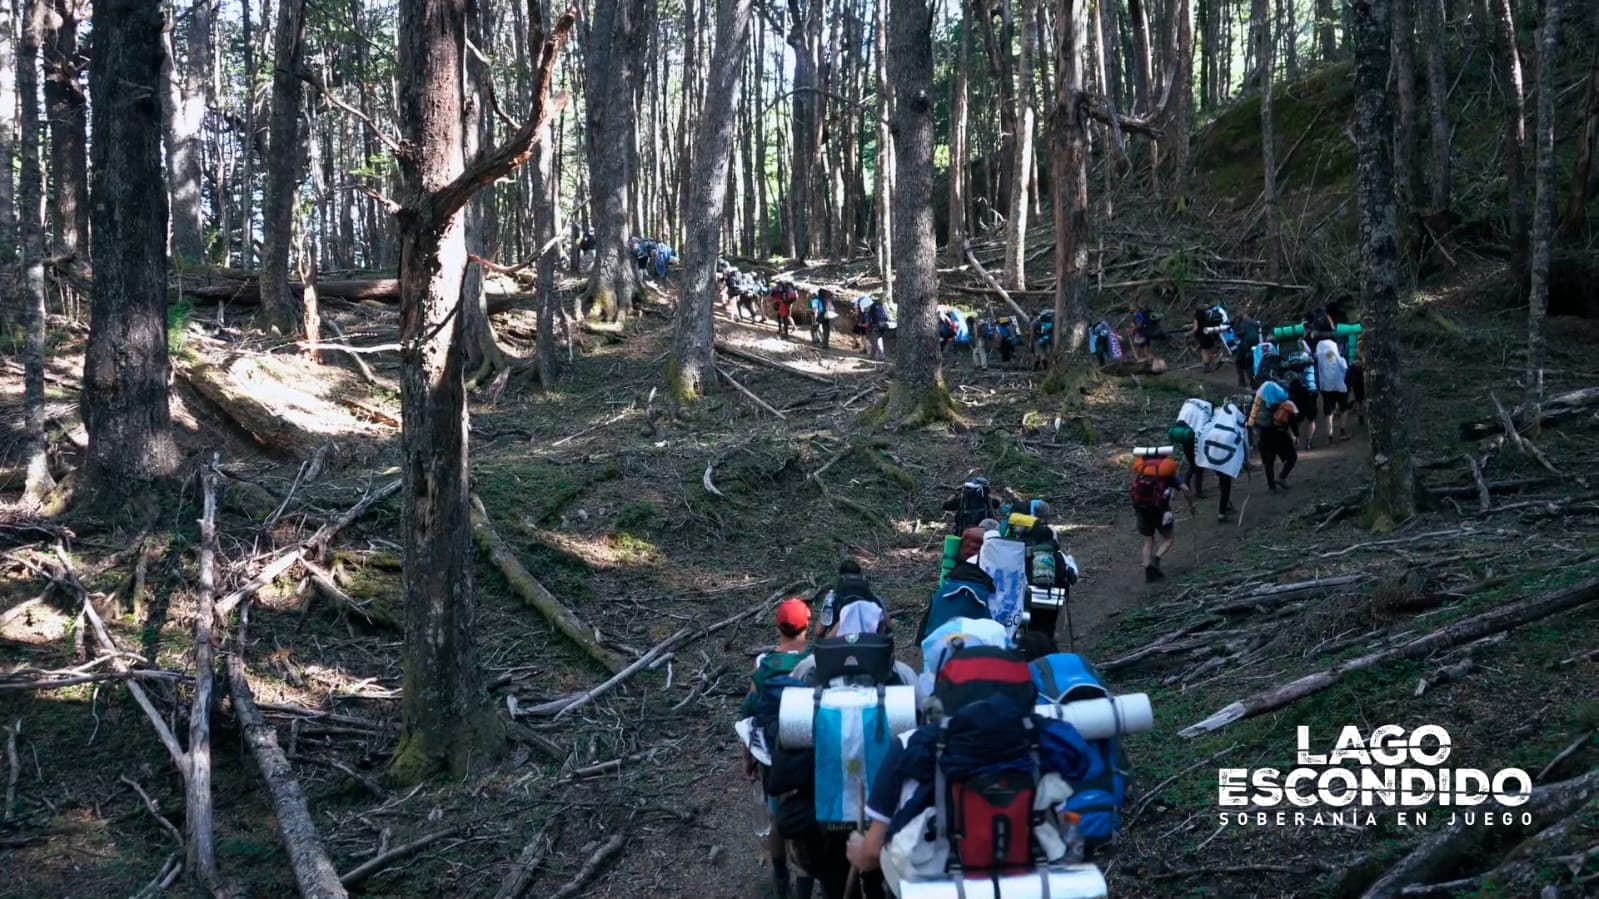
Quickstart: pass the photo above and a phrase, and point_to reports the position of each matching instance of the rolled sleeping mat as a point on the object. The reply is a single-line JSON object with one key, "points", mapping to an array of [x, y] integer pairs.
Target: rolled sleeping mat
{"points": [[797, 709], [1020, 521], [1288, 332], [1145, 452], [1100, 719], [952, 546], [1063, 882]]}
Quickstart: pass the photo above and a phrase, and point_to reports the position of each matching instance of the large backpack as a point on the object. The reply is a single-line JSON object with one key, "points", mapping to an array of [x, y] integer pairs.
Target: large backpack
{"points": [[1305, 366], [1064, 677], [862, 658], [771, 665], [972, 504], [988, 816], [974, 673], [1149, 482], [1042, 548]]}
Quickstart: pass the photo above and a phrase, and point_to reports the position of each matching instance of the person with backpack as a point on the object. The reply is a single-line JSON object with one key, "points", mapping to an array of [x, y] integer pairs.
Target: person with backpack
{"points": [[783, 298], [1043, 339], [1155, 479], [876, 328], [1209, 320], [852, 587], [973, 501], [822, 316], [965, 591], [1270, 416], [980, 768], [1332, 378], [1300, 372], [977, 329], [1248, 332], [1002, 336], [1051, 572]]}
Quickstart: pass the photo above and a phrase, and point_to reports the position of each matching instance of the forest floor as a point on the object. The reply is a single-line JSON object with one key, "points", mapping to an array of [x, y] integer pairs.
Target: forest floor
{"points": [[601, 496]]}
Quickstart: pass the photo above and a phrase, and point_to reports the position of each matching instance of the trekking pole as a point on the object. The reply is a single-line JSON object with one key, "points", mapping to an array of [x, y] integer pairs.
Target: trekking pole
{"points": [[1071, 633]]}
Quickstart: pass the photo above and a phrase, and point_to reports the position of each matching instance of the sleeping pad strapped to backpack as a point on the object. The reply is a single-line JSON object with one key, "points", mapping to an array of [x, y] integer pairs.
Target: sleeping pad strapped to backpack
{"points": [[1065, 677]]}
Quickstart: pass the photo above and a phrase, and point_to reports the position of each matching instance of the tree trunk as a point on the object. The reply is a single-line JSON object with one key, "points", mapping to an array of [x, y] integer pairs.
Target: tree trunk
{"points": [[805, 105], [1407, 146], [1070, 189], [1182, 116], [1143, 61], [610, 72], [1433, 49], [8, 139], [38, 483], [1507, 63], [247, 141], [917, 394], [1022, 163], [125, 369], [483, 353], [64, 104], [1587, 144], [1543, 210], [448, 721], [1393, 484], [282, 308], [693, 365], [1265, 71], [187, 95], [958, 136], [545, 227], [1327, 30], [883, 190]]}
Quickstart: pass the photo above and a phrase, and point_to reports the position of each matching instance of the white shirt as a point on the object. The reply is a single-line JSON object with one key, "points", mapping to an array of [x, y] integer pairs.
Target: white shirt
{"points": [[1331, 368]]}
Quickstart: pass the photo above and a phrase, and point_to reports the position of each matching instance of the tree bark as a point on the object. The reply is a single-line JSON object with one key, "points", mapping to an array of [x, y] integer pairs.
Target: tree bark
{"points": [[1070, 187], [282, 308], [958, 136], [1393, 480], [1576, 216], [545, 227], [1440, 177], [610, 71], [8, 138], [38, 483], [187, 94], [483, 353], [1182, 101], [1497, 15], [917, 394], [65, 105], [1543, 211], [1265, 71], [1407, 146], [692, 367], [1327, 30], [247, 141], [883, 189], [125, 369]]}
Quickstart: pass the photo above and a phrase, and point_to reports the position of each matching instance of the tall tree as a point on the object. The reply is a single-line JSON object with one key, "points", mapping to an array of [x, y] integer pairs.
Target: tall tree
{"points": [[1439, 166], [1393, 478], [1497, 16], [1407, 147], [958, 132], [38, 482], [1327, 30], [610, 60], [1576, 214], [1022, 163], [1265, 71], [917, 394], [448, 721], [1182, 100], [278, 302], [8, 136], [1543, 210], [693, 365], [187, 93], [65, 104], [125, 367], [1070, 179]]}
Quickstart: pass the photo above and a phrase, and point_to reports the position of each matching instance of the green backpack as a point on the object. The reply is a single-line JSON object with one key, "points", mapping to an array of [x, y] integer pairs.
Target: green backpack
{"points": [[772, 664]]}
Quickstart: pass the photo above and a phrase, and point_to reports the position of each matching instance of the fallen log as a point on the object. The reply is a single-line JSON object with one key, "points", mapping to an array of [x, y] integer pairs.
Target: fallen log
{"points": [[605, 853], [382, 860], [1273, 595], [773, 363], [534, 593], [1458, 843], [1556, 409], [1515, 485], [387, 290], [198, 817], [966, 248], [748, 393], [1464, 631]]}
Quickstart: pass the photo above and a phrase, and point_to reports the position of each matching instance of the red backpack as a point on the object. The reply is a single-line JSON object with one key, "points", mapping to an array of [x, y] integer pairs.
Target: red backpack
{"points": [[987, 817]]}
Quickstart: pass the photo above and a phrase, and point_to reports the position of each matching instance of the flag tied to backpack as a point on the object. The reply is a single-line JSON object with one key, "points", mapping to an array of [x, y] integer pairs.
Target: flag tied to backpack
{"points": [[1222, 444], [1006, 562], [852, 733]]}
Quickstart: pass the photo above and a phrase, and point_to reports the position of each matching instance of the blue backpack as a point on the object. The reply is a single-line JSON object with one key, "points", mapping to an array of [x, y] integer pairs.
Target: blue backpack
{"points": [[1066, 677]]}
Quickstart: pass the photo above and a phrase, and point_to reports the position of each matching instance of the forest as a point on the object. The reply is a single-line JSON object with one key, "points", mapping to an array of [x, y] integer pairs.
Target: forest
{"points": [[419, 419]]}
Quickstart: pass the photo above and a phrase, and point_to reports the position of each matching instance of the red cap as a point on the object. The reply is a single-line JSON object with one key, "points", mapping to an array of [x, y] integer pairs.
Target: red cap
{"points": [[794, 613]]}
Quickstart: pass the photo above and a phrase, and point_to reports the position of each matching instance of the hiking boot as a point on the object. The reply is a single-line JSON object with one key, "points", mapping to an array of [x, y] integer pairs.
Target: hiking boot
{"points": [[802, 887], [1271, 486], [1152, 574], [780, 887], [1283, 486]]}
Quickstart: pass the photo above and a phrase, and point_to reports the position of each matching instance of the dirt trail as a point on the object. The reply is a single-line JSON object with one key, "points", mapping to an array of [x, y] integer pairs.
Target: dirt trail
{"points": [[1105, 545]]}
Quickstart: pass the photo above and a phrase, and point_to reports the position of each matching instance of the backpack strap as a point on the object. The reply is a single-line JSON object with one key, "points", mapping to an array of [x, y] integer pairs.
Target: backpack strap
{"points": [[882, 713]]}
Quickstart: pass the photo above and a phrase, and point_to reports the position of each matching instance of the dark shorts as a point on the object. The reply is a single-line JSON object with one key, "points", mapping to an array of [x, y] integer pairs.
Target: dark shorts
{"points": [[1334, 401], [1306, 402], [1207, 341], [1357, 382], [1152, 520]]}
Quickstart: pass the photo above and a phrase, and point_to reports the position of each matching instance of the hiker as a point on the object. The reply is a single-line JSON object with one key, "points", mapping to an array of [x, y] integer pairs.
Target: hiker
{"points": [[1155, 479], [1332, 379], [1209, 322], [784, 296], [1144, 324], [1183, 434], [1043, 338], [974, 501], [1064, 678], [975, 327], [948, 327], [749, 291], [793, 620], [1104, 344], [1248, 332], [875, 317], [1220, 444], [1270, 415], [852, 588], [1300, 372], [986, 749], [822, 316], [1050, 571], [1320, 323], [1002, 336], [965, 591]]}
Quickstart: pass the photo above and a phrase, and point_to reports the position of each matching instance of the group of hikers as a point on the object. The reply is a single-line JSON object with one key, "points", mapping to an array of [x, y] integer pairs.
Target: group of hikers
{"points": [[1298, 374], [750, 298], [990, 335], [998, 759]]}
